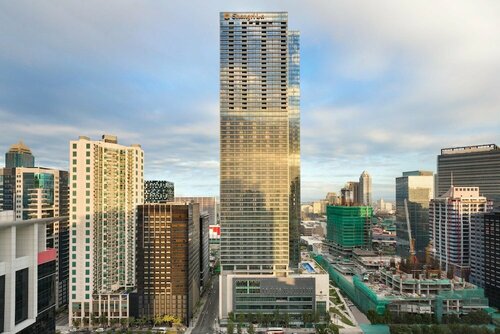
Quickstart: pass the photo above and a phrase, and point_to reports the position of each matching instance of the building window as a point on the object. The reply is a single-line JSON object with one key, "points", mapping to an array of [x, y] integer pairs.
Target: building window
{"points": [[21, 312]]}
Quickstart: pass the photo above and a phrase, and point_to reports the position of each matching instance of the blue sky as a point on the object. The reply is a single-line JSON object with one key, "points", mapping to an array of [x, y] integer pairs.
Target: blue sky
{"points": [[385, 84]]}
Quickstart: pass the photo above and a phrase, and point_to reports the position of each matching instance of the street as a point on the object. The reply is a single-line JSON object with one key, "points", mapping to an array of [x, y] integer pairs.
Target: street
{"points": [[208, 316]]}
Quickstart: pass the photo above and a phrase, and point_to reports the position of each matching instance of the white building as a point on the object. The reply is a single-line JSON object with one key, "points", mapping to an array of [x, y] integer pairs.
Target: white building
{"points": [[22, 250], [450, 223], [106, 185], [365, 189]]}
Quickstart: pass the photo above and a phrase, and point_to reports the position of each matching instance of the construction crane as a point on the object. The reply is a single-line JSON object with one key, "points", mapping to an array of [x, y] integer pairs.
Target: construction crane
{"points": [[413, 255]]}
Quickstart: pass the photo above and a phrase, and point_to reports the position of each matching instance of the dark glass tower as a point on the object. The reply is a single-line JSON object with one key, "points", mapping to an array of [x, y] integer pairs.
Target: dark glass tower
{"points": [[492, 256], [470, 166], [19, 155]]}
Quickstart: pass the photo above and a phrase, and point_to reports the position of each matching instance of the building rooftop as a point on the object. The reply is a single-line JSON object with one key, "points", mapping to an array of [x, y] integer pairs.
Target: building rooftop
{"points": [[418, 173], [469, 149], [19, 147]]}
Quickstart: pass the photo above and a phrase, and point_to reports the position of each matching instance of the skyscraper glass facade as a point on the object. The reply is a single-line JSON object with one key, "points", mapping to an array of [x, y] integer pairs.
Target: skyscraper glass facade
{"points": [[417, 187], [260, 142], [470, 166]]}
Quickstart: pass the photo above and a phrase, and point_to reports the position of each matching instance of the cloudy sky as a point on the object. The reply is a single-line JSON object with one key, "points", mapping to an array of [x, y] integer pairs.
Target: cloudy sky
{"points": [[385, 84]]}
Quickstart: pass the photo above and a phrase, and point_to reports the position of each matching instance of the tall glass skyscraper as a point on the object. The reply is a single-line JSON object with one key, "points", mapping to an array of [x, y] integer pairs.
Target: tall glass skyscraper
{"points": [[260, 143], [260, 171]]}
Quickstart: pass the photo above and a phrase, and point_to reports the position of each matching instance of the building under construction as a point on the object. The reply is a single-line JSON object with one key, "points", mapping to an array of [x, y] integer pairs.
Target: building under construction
{"points": [[380, 285], [348, 228]]}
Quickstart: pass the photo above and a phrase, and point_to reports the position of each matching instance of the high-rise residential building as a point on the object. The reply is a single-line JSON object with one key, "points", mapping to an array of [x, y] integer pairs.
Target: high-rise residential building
{"points": [[450, 217], [208, 205], [106, 185], [27, 276], [158, 191], [34, 193], [492, 257], [348, 228], [19, 155], [470, 166], [365, 189], [417, 188], [168, 259], [260, 157]]}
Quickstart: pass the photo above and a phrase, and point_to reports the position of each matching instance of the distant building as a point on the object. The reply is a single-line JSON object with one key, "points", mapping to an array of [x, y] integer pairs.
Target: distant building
{"points": [[383, 206], [450, 227], [27, 276], [168, 259], [19, 155], [349, 194], [470, 166], [365, 189], [106, 185], [319, 207], [214, 234], [348, 228], [208, 205], [332, 198], [312, 228], [417, 187], [35, 193], [492, 257], [158, 191]]}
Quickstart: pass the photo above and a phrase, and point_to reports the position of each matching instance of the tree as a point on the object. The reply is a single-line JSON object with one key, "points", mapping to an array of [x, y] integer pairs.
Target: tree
{"points": [[251, 329], [103, 320], [94, 320], [231, 317], [259, 317], [124, 322], [76, 322], [239, 328], [230, 327], [240, 317], [286, 319]]}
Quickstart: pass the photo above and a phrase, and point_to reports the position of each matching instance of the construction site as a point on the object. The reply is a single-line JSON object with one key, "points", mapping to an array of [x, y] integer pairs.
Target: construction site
{"points": [[387, 283]]}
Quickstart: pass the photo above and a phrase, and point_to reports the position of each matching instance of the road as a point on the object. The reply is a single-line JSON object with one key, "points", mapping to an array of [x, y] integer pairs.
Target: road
{"points": [[206, 322]]}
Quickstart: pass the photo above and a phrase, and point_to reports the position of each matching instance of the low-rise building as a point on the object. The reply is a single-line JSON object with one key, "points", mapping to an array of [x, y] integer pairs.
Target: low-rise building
{"points": [[294, 295]]}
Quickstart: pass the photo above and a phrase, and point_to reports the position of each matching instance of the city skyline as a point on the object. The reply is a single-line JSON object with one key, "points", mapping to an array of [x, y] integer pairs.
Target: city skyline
{"points": [[419, 85]]}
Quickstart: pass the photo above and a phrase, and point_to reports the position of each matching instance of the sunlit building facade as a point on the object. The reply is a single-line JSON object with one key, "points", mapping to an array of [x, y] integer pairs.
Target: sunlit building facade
{"points": [[260, 152], [260, 170], [19, 155], [106, 185], [168, 259]]}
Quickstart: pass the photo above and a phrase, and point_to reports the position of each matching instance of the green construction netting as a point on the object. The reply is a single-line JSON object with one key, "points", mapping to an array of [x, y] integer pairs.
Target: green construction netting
{"points": [[357, 291], [349, 226]]}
